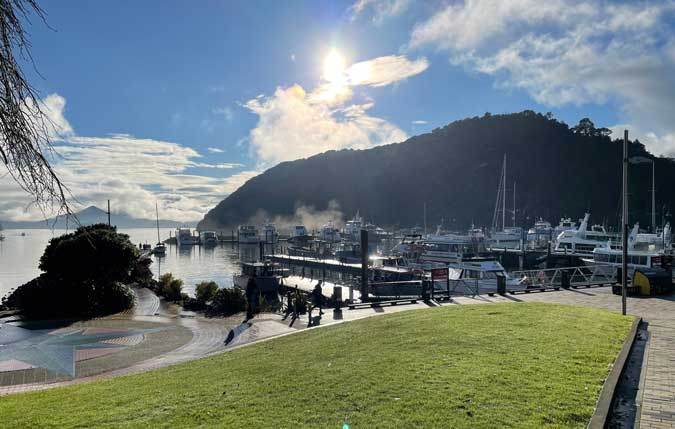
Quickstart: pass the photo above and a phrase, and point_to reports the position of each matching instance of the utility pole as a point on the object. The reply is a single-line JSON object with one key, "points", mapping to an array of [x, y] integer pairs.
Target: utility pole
{"points": [[108, 212], [653, 197], [504, 196], [425, 218], [624, 252]]}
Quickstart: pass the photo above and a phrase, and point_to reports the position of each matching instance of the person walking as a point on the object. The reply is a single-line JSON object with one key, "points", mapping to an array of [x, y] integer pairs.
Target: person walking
{"points": [[317, 296]]}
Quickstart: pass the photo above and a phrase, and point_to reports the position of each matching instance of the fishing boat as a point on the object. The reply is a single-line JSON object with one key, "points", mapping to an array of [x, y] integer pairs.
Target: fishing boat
{"points": [[248, 234], [208, 238]]}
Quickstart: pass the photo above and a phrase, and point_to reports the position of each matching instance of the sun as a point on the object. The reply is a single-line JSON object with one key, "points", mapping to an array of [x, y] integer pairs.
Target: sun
{"points": [[334, 66]]}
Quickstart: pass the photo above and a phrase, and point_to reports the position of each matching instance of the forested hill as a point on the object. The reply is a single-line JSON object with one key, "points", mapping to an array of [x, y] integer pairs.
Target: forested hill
{"points": [[455, 170]]}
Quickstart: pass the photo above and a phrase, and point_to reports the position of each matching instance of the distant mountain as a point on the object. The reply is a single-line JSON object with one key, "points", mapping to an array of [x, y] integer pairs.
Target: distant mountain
{"points": [[89, 216], [455, 170]]}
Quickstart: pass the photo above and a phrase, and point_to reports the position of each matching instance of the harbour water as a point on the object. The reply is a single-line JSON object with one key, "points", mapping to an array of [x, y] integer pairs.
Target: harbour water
{"points": [[20, 256]]}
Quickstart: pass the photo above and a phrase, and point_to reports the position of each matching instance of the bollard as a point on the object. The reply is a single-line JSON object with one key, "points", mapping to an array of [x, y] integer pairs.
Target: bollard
{"points": [[564, 279], [501, 284], [425, 290], [337, 296]]}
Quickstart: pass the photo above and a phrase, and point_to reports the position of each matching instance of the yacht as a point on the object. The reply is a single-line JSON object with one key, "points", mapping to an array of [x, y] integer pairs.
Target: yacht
{"points": [[160, 248], [565, 224], [270, 233], [542, 231], [352, 229], [185, 237], [247, 234], [510, 237], [583, 241], [329, 233], [208, 238]]}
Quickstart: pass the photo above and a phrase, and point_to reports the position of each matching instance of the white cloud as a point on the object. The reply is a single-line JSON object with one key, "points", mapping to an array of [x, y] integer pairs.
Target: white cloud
{"points": [[226, 112], [568, 52], [132, 172], [214, 150], [381, 8], [660, 145], [295, 124], [419, 122]]}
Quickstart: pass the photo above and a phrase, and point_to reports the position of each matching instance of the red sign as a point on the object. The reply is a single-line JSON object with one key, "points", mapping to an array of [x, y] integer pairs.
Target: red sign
{"points": [[439, 274]]}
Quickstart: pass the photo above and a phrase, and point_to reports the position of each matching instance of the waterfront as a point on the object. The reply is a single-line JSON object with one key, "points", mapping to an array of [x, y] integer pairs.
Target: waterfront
{"points": [[20, 256]]}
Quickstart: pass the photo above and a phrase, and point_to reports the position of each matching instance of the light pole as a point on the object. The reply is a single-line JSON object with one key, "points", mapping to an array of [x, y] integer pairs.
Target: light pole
{"points": [[645, 160], [624, 235]]}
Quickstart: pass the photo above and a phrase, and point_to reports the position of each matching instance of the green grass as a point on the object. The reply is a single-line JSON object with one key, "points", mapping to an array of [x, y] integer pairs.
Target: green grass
{"points": [[506, 365]]}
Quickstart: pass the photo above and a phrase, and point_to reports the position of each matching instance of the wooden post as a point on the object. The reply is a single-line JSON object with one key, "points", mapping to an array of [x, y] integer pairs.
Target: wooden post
{"points": [[364, 265]]}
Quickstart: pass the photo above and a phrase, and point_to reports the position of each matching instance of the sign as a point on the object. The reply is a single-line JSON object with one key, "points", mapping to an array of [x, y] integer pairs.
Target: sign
{"points": [[439, 274]]}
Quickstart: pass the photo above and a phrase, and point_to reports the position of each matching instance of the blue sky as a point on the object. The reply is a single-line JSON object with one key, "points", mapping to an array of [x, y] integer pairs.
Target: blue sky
{"points": [[206, 95]]}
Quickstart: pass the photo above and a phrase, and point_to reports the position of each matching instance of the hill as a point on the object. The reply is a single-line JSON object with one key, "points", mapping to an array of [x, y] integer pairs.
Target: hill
{"points": [[455, 170], [89, 216]]}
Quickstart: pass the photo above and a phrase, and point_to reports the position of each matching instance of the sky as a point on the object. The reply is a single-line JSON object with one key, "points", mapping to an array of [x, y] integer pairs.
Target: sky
{"points": [[182, 102]]}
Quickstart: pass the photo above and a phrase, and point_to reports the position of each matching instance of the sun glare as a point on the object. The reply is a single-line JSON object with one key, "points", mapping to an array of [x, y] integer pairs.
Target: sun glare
{"points": [[334, 67]]}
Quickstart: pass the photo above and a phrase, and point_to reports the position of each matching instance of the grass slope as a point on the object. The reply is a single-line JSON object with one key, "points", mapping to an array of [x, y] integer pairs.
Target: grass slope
{"points": [[506, 365]]}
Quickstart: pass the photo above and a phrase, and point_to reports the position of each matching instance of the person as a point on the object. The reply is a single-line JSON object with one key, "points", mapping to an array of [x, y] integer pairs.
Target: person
{"points": [[318, 297], [251, 296]]}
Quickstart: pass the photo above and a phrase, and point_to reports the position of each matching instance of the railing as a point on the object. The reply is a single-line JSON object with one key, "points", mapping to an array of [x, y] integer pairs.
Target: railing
{"points": [[572, 276], [414, 288]]}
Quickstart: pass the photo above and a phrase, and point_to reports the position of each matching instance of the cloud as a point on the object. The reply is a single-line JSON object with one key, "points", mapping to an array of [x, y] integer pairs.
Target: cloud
{"points": [[132, 172], [214, 150], [226, 112], [381, 9], [293, 123], [567, 52], [419, 122], [291, 126]]}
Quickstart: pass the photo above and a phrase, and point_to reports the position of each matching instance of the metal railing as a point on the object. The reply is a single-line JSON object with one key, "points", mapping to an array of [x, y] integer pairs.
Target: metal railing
{"points": [[572, 276]]}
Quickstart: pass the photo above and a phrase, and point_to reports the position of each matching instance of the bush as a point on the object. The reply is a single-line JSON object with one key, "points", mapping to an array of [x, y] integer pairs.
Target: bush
{"points": [[228, 301], [205, 291], [85, 273], [170, 288]]}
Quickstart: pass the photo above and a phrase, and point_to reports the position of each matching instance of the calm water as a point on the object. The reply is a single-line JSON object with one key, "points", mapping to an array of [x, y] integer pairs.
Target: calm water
{"points": [[19, 257]]}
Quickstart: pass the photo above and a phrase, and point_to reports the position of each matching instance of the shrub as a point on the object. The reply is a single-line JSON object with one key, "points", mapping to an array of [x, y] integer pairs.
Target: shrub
{"points": [[205, 291], [228, 301], [170, 288]]}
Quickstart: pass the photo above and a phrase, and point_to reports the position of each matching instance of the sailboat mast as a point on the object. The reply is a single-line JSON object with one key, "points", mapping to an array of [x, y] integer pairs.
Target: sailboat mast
{"points": [[157, 217], [504, 194]]}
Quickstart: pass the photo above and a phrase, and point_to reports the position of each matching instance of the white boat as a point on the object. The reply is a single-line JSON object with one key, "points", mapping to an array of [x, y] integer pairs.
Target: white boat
{"points": [[582, 241], [484, 271], [270, 233], [541, 232], [352, 229], [247, 234], [299, 234], [510, 237], [208, 238], [565, 224], [185, 237], [160, 248], [329, 233]]}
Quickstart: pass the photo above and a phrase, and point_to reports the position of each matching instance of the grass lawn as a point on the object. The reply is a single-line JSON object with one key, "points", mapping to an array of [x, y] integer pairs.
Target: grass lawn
{"points": [[506, 365]]}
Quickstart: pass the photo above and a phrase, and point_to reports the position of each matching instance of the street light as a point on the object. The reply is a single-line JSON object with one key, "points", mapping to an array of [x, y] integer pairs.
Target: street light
{"points": [[645, 160]]}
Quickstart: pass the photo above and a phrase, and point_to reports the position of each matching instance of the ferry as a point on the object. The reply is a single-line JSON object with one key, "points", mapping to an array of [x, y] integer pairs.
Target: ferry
{"points": [[247, 234], [208, 238], [185, 237]]}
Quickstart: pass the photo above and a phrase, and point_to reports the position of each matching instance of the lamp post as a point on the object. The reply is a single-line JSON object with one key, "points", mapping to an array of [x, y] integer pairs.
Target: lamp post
{"points": [[645, 160], [624, 235]]}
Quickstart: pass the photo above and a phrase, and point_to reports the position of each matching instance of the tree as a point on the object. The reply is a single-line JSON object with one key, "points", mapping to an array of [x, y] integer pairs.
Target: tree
{"points": [[85, 274], [586, 127], [24, 128], [170, 288]]}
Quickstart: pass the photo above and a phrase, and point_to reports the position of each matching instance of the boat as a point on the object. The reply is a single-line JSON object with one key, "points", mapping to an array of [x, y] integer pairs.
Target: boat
{"points": [[247, 234], [268, 276], [299, 234], [540, 233], [565, 224], [352, 229], [160, 248], [208, 238], [510, 237], [2, 237], [270, 233], [185, 237], [330, 233], [582, 241]]}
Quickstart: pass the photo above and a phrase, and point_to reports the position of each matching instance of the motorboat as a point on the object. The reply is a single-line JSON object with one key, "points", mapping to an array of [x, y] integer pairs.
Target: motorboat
{"points": [[208, 238], [185, 237], [583, 241]]}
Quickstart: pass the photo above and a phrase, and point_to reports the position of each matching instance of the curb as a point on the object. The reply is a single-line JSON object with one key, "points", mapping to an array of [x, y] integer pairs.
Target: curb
{"points": [[606, 398]]}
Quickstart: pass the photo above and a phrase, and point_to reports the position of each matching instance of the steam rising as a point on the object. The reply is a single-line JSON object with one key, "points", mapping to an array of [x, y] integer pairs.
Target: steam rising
{"points": [[309, 216]]}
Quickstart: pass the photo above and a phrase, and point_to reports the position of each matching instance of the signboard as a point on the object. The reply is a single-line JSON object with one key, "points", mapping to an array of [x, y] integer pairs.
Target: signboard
{"points": [[439, 274]]}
